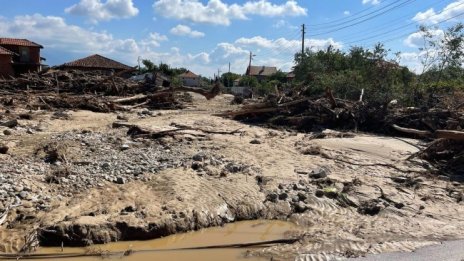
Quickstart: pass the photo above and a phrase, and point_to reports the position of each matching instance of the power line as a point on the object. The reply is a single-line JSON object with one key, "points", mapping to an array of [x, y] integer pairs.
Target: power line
{"points": [[397, 28], [367, 19], [392, 22], [416, 31], [344, 18], [354, 19]]}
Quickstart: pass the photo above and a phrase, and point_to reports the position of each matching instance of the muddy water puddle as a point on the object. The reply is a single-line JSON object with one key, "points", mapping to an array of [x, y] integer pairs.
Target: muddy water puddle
{"points": [[234, 233]]}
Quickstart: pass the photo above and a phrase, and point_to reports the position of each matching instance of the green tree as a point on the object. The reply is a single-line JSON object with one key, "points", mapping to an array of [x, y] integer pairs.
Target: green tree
{"points": [[227, 79], [249, 81], [279, 76]]}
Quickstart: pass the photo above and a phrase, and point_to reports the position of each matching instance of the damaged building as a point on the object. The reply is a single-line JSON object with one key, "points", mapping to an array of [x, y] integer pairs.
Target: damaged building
{"points": [[96, 62], [18, 56]]}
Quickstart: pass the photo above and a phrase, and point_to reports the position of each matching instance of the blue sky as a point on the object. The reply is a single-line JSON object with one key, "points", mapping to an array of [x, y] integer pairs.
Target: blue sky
{"points": [[205, 35]]}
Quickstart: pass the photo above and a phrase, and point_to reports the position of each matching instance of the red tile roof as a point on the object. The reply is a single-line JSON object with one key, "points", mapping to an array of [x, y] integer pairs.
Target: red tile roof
{"points": [[188, 74], [98, 62], [6, 51], [19, 42]]}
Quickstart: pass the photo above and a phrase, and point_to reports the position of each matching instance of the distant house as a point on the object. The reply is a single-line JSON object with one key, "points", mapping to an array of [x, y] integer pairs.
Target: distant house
{"points": [[18, 56], [290, 76], [260, 72], [190, 79], [95, 63]]}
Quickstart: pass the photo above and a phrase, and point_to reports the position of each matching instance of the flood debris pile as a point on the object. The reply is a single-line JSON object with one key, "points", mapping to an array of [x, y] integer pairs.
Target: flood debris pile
{"points": [[441, 123], [94, 91]]}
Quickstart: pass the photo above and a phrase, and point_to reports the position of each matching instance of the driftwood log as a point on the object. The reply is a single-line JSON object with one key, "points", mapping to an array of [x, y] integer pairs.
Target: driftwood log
{"points": [[440, 134]]}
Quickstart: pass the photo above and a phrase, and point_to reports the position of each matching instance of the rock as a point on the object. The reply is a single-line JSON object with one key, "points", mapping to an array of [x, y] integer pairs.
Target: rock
{"points": [[272, 197], [301, 207], [201, 156], [233, 168], [197, 165], [399, 179], [4, 149], [106, 166], [9, 124], [7, 132], [130, 209], [371, 207], [23, 194], [319, 173], [18, 188], [122, 117], [255, 141], [125, 147], [319, 193], [120, 180], [331, 193], [283, 196], [302, 196], [29, 131]]}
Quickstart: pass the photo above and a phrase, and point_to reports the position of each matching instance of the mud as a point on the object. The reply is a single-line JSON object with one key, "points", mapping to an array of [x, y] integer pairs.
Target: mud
{"points": [[240, 232], [350, 195]]}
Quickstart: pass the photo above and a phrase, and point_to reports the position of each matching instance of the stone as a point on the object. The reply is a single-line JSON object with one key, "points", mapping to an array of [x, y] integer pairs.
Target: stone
{"points": [[125, 147], [233, 168], [301, 207], [130, 209], [120, 180], [9, 124], [255, 141], [302, 196], [4, 149], [7, 132], [319, 173], [283, 196], [331, 193], [272, 197], [122, 117], [201, 156], [319, 193], [197, 165], [23, 194], [29, 131]]}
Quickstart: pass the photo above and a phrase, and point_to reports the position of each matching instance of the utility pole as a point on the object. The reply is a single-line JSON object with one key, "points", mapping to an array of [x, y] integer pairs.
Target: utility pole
{"points": [[249, 64], [303, 32]]}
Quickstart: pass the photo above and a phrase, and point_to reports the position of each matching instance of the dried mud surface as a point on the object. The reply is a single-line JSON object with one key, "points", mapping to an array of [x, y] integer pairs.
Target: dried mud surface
{"points": [[81, 182]]}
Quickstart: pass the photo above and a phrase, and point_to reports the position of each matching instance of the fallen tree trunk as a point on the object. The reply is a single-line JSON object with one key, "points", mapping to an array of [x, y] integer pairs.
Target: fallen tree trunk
{"points": [[420, 133], [440, 134]]}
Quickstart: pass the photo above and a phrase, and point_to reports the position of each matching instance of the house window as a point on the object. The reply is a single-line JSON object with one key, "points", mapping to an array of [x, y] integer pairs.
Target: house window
{"points": [[24, 52]]}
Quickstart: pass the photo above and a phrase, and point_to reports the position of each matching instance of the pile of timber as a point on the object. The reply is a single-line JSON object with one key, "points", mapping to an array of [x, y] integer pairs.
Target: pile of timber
{"points": [[94, 91]]}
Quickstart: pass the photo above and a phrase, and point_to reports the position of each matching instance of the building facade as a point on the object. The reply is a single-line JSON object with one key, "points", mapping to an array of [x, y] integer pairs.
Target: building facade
{"points": [[18, 56]]}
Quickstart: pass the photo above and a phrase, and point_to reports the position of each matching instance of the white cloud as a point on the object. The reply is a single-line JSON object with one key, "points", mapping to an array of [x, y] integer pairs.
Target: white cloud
{"points": [[154, 40], [218, 12], [284, 24], [373, 2], [183, 30], [96, 11], [287, 46], [432, 17], [346, 12], [417, 39]]}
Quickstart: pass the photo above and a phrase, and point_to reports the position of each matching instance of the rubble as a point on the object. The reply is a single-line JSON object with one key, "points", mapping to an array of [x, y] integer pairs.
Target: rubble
{"points": [[92, 91]]}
